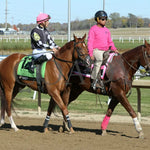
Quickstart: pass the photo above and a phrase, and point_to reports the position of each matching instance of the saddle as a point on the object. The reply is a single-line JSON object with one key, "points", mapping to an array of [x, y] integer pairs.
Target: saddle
{"points": [[24, 73], [107, 58], [86, 71]]}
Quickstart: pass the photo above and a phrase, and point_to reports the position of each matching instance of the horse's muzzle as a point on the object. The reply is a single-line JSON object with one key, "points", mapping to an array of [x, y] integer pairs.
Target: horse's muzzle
{"points": [[88, 61], [147, 68]]}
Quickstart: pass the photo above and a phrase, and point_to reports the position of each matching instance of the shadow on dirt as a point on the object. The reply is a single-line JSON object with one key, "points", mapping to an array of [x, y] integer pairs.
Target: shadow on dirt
{"points": [[55, 128]]}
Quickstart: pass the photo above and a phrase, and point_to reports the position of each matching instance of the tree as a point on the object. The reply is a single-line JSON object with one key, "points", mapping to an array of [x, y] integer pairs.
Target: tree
{"points": [[140, 22], [124, 21], [116, 21], [132, 21]]}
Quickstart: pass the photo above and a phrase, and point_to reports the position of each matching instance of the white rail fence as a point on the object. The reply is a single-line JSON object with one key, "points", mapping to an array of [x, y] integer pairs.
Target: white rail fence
{"points": [[121, 38]]}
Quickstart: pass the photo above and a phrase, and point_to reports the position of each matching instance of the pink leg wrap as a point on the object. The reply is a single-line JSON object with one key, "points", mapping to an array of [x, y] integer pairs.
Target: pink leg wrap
{"points": [[105, 122]]}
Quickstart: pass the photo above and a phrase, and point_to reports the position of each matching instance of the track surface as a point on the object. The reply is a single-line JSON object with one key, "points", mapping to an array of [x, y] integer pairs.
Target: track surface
{"points": [[121, 136]]}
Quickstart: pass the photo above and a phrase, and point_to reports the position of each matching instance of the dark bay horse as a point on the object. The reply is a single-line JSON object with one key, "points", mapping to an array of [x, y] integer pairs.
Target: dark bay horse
{"points": [[118, 81], [56, 76]]}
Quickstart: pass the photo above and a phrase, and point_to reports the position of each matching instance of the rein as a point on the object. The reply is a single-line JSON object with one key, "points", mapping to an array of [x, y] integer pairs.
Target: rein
{"points": [[67, 61], [146, 56], [62, 60], [129, 63], [79, 54]]}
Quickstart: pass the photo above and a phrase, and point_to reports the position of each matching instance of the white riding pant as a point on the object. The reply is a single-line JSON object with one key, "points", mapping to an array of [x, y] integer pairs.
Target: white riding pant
{"points": [[98, 55], [39, 52]]}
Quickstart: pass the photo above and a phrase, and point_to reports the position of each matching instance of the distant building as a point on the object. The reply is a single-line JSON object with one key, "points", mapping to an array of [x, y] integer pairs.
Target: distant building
{"points": [[8, 30]]}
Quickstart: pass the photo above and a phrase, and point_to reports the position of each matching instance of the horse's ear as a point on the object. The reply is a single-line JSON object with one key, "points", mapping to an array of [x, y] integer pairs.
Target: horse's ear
{"points": [[75, 38], [83, 38]]}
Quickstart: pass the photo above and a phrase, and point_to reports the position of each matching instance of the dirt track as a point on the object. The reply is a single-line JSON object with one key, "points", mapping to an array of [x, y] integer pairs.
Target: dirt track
{"points": [[121, 136]]}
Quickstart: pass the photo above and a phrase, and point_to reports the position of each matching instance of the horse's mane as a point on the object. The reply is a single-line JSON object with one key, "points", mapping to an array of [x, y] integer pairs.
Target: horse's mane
{"points": [[133, 51], [68, 45]]}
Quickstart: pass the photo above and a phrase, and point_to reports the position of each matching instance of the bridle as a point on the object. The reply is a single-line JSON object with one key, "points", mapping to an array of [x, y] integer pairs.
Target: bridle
{"points": [[77, 49], [146, 59]]}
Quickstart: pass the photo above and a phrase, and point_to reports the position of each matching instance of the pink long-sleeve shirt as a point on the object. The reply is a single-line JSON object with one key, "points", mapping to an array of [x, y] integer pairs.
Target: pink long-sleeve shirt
{"points": [[99, 38]]}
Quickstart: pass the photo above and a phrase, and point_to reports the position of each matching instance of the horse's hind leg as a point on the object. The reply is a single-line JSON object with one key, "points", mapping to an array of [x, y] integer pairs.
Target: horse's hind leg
{"points": [[8, 98], [51, 108], [113, 103], [3, 107]]}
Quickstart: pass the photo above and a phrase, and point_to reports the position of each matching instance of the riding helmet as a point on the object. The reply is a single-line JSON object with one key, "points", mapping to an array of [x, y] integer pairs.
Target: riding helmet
{"points": [[42, 17], [100, 14]]}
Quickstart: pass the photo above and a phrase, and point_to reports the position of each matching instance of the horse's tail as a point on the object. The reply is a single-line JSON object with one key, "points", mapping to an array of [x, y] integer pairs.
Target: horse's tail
{"points": [[1, 90]]}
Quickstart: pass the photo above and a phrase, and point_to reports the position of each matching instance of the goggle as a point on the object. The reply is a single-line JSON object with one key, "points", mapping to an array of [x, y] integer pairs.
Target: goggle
{"points": [[101, 18], [105, 18]]}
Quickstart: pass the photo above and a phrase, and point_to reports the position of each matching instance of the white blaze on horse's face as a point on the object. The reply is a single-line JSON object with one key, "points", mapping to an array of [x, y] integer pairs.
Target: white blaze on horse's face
{"points": [[84, 45]]}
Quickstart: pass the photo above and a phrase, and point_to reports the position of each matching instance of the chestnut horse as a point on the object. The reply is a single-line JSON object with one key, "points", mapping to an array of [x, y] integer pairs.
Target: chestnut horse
{"points": [[117, 81], [56, 75]]}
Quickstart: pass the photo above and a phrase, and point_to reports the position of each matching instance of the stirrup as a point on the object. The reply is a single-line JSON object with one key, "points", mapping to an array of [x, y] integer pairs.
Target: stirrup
{"points": [[97, 85], [31, 69]]}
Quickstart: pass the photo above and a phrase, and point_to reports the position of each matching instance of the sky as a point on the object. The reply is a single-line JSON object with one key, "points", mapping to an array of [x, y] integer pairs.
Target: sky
{"points": [[26, 11]]}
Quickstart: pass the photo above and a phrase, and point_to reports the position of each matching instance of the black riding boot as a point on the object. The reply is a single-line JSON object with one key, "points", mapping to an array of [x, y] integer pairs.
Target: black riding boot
{"points": [[38, 60]]}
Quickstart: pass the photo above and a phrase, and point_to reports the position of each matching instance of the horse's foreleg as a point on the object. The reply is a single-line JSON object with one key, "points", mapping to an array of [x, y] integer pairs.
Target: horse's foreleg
{"points": [[121, 97], [66, 100], [61, 103], [113, 103], [125, 103], [51, 107]]}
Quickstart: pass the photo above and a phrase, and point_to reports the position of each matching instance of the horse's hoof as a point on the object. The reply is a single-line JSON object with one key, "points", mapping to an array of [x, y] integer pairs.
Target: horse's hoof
{"points": [[16, 129], [65, 126], [46, 130], [104, 133], [61, 129], [71, 131], [141, 135]]}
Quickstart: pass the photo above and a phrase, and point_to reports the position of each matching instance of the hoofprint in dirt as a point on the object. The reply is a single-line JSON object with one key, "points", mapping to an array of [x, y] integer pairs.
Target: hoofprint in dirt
{"points": [[121, 136]]}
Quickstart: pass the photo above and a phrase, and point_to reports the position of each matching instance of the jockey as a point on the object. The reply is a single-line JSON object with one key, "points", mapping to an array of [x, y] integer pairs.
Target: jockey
{"points": [[41, 41], [99, 41]]}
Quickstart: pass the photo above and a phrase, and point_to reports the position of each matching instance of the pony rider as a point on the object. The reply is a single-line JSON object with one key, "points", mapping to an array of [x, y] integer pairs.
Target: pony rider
{"points": [[99, 41]]}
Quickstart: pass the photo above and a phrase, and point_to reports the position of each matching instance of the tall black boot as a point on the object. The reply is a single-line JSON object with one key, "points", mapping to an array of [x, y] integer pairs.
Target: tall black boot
{"points": [[38, 60]]}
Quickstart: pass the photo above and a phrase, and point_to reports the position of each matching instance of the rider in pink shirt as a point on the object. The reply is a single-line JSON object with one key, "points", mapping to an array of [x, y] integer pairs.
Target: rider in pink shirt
{"points": [[99, 38], [99, 41]]}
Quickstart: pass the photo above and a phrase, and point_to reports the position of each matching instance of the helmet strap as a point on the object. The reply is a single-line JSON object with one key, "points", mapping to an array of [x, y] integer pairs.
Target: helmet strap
{"points": [[42, 25], [97, 19]]}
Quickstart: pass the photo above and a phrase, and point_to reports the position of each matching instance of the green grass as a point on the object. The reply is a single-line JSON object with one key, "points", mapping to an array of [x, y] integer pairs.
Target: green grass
{"points": [[16, 46], [85, 103], [21, 45]]}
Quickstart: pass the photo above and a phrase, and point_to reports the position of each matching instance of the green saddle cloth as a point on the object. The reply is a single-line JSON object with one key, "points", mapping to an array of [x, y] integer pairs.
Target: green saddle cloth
{"points": [[22, 71]]}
